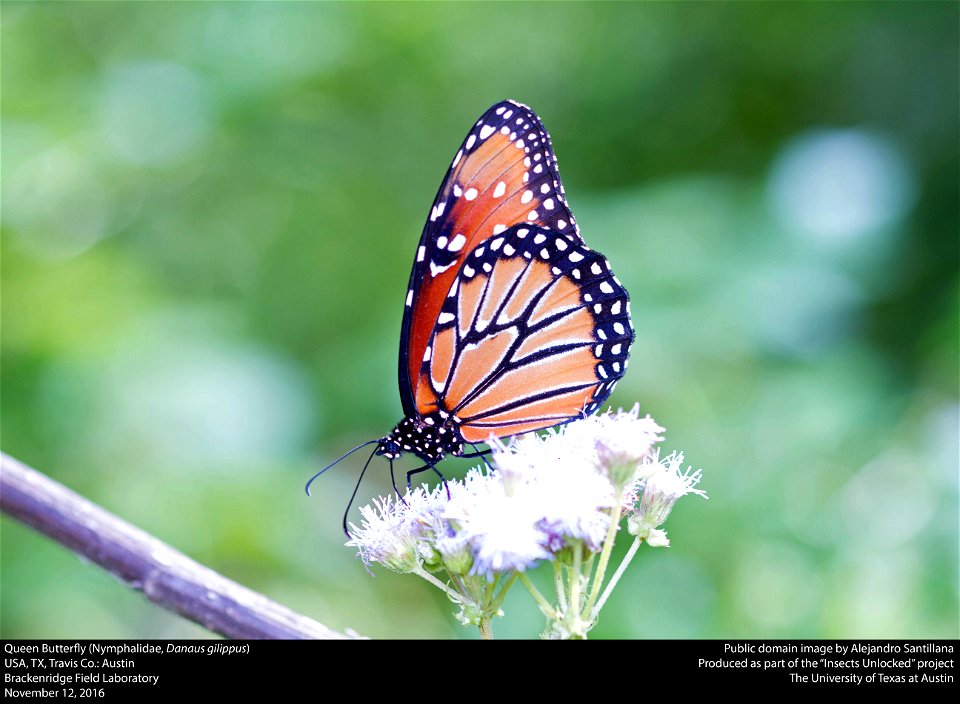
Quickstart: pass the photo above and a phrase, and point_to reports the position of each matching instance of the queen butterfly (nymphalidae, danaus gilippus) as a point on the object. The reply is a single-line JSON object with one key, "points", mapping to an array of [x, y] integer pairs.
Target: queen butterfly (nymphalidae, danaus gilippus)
{"points": [[511, 323]]}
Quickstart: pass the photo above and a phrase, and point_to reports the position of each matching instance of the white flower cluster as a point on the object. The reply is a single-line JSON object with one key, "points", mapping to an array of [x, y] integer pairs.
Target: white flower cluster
{"points": [[546, 493]]}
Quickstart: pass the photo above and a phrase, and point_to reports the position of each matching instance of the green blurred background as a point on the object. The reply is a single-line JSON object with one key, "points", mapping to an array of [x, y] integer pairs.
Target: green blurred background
{"points": [[209, 213]]}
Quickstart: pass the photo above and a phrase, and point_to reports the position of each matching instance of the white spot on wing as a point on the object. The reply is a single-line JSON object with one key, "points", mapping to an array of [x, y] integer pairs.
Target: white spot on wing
{"points": [[576, 256], [456, 244], [486, 131], [470, 140], [470, 194], [436, 270], [445, 318], [500, 189]]}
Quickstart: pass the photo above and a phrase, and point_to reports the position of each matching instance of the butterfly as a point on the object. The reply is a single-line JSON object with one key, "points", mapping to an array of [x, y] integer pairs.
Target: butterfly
{"points": [[511, 323]]}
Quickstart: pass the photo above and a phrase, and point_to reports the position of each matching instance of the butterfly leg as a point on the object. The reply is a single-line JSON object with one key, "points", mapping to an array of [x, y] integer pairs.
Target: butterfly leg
{"points": [[443, 479], [425, 468], [482, 454]]}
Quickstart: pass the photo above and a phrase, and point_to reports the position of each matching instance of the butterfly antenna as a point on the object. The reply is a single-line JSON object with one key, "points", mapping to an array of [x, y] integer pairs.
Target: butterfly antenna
{"points": [[307, 487], [355, 490], [393, 480]]}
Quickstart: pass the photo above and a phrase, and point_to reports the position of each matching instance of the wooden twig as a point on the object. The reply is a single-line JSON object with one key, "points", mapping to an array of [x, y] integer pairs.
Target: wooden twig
{"points": [[167, 577]]}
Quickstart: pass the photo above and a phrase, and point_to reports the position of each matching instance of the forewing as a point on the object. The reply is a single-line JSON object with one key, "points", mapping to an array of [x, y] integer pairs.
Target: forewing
{"points": [[504, 174]]}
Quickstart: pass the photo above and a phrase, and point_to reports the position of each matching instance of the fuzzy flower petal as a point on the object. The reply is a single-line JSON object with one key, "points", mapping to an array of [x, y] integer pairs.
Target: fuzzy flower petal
{"points": [[623, 440], [560, 482], [659, 493], [500, 529], [388, 534]]}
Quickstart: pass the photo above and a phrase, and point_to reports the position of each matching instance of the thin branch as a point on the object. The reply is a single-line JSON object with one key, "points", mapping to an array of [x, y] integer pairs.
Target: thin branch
{"points": [[167, 577]]}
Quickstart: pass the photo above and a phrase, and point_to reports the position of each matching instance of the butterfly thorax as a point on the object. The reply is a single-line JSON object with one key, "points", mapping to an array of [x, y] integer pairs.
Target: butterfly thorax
{"points": [[430, 437]]}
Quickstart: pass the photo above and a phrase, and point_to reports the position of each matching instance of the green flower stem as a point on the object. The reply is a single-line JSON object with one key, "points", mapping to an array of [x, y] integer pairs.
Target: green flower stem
{"points": [[572, 617], [605, 554], [538, 597], [616, 575], [489, 591], [486, 631], [437, 583], [588, 566], [558, 585], [498, 600], [575, 577], [472, 592], [459, 584]]}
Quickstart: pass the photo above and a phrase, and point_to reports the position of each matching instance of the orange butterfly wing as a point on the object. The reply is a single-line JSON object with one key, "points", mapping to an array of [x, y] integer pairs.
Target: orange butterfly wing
{"points": [[504, 174], [535, 332]]}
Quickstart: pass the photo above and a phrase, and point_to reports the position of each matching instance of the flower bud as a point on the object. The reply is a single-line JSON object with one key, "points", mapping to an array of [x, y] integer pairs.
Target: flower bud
{"points": [[660, 492], [456, 555]]}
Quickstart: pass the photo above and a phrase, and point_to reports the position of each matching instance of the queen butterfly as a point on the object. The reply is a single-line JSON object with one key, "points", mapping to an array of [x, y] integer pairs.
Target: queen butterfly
{"points": [[511, 323]]}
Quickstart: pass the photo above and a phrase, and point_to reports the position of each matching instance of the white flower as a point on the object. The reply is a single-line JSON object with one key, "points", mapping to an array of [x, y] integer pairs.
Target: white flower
{"points": [[660, 491], [388, 534], [558, 475], [500, 529], [622, 441], [547, 492]]}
